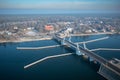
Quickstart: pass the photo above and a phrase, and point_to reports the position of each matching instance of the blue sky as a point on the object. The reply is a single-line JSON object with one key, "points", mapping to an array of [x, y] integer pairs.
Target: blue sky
{"points": [[58, 6]]}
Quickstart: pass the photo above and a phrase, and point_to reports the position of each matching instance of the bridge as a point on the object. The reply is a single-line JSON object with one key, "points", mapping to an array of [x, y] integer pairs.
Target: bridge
{"points": [[107, 68]]}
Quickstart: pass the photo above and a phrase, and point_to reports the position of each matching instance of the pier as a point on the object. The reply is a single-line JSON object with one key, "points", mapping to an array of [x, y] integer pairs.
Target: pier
{"points": [[36, 48], [93, 40], [48, 57], [105, 49]]}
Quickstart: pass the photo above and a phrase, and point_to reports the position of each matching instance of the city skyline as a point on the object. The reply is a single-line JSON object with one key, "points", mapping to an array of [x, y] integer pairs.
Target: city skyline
{"points": [[59, 6]]}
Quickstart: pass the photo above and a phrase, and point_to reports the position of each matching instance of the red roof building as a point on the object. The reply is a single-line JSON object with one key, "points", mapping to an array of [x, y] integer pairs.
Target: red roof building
{"points": [[49, 27]]}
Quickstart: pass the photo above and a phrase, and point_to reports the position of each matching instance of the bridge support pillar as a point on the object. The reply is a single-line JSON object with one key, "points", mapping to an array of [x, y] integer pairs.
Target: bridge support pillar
{"points": [[91, 59], [78, 51], [85, 56], [84, 45], [69, 39], [63, 42]]}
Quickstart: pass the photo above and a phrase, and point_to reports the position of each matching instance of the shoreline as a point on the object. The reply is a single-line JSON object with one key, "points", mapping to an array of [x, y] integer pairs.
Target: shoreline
{"points": [[24, 40], [28, 40], [90, 34], [93, 34]]}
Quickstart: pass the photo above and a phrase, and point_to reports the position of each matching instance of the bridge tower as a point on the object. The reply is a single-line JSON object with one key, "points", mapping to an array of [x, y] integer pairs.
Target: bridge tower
{"points": [[69, 39], [78, 50], [63, 41], [90, 58], [84, 45]]}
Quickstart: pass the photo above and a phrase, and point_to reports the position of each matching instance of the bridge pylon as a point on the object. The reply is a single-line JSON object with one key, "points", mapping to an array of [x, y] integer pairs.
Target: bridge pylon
{"points": [[91, 59], [84, 45], [78, 52], [69, 39], [63, 41]]}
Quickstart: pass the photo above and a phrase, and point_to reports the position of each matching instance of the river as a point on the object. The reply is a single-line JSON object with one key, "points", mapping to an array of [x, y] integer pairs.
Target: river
{"points": [[70, 67]]}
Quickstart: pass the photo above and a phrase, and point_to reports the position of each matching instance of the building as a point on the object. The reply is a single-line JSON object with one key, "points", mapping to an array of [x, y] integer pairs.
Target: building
{"points": [[49, 28], [88, 31]]}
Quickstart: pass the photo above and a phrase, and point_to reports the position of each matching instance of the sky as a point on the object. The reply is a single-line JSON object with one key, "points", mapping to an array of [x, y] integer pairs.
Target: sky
{"points": [[58, 6]]}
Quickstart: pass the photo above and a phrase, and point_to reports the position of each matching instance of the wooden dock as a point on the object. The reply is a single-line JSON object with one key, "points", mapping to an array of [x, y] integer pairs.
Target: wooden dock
{"points": [[48, 57], [92, 40], [105, 49], [32, 48]]}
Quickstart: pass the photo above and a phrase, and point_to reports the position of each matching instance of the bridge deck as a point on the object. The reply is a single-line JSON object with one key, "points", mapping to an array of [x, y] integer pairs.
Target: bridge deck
{"points": [[93, 55]]}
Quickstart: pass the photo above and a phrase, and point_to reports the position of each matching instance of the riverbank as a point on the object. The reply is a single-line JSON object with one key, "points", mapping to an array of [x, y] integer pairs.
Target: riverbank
{"points": [[49, 38], [23, 40], [89, 34]]}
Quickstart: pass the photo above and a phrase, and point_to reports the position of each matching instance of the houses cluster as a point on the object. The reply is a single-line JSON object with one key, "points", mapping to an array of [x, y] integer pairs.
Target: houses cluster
{"points": [[26, 26]]}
